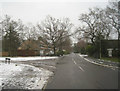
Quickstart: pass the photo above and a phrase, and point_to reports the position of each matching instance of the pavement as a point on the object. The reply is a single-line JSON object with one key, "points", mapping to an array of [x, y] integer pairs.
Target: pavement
{"points": [[75, 72]]}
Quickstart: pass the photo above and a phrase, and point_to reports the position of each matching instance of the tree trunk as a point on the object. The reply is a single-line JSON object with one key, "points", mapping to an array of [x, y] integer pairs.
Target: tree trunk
{"points": [[54, 49]]}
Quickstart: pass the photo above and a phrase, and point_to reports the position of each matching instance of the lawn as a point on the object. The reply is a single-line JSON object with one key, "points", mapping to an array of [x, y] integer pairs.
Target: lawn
{"points": [[114, 59]]}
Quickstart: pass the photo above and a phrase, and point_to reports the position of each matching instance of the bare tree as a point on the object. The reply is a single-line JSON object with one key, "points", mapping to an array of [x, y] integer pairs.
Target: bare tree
{"points": [[54, 30], [0, 28], [96, 25], [64, 33], [67, 44], [29, 32], [80, 46], [112, 12]]}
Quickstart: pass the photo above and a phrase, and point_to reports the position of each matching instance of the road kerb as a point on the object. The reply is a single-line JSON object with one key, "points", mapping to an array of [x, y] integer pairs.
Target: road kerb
{"points": [[98, 63]]}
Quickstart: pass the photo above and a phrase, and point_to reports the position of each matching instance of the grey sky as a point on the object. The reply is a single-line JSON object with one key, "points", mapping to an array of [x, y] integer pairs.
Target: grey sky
{"points": [[35, 11]]}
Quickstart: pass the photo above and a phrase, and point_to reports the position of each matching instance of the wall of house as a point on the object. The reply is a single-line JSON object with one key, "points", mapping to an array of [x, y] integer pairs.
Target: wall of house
{"points": [[110, 44]]}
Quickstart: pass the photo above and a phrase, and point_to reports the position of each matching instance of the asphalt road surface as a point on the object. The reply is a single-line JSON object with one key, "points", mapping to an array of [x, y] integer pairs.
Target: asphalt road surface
{"points": [[73, 72]]}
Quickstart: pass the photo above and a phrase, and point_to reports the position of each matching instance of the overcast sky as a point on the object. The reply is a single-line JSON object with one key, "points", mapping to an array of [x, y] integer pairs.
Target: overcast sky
{"points": [[34, 11]]}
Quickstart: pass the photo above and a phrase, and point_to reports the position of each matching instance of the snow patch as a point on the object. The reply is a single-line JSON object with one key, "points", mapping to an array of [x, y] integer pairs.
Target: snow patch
{"points": [[26, 58], [26, 76], [6, 71], [83, 55]]}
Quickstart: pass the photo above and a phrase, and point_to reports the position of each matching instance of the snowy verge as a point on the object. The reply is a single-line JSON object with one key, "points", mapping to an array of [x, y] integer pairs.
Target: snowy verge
{"points": [[83, 55], [21, 76], [100, 62], [6, 71], [27, 58]]}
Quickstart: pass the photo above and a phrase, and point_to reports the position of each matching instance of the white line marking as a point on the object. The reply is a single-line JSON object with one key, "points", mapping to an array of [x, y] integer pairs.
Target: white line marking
{"points": [[81, 68], [77, 65], [75, 62]]}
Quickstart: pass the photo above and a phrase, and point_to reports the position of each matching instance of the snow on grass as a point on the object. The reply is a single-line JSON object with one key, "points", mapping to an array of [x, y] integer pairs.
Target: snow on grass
{"points": [[21, 75], [7, 70], [26, 58], [38, 75]]}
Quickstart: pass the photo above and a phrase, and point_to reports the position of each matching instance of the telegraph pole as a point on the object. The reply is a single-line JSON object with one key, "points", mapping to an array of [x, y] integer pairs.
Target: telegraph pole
{"points": [[118, 29], [118, 20], [100, 47]]}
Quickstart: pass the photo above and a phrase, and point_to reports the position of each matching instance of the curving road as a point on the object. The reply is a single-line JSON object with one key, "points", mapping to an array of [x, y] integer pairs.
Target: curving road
{"points": [[73, 72]]}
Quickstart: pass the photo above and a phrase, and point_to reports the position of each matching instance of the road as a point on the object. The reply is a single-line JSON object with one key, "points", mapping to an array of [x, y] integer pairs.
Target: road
{"points": [[73, 72]]}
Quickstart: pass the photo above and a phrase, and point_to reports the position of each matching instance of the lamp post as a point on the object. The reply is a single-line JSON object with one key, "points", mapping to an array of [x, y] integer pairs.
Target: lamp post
{"points": [[118, 28], [118, 20], [100, 47]]}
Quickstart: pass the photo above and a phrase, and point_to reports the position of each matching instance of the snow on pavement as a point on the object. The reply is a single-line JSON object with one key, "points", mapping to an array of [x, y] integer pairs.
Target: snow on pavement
{"points": [[27, 58], [22, 76]]}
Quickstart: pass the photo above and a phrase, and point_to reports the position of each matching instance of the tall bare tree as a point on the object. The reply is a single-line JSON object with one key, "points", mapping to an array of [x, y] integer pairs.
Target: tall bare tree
{"points": [[54, 30], [96, 25], [112, 12]]}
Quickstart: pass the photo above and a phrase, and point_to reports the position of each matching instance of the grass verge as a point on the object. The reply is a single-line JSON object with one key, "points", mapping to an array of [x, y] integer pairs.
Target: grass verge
{"points": [[113, 59]]}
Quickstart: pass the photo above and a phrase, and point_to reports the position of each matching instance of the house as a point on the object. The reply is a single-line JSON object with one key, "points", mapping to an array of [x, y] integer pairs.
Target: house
{"points": [[30, 47], [110, 48], [34, 48]]}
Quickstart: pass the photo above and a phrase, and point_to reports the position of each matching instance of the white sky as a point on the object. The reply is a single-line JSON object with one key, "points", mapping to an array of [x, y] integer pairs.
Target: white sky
{"points": [[36, 10]]}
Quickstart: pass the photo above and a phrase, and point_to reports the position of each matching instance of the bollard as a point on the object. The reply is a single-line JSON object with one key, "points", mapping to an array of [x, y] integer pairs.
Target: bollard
{"points": [[7, 60]]}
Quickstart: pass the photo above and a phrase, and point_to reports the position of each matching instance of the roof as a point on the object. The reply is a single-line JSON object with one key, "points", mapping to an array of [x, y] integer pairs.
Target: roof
{"points": [[110, 43]]}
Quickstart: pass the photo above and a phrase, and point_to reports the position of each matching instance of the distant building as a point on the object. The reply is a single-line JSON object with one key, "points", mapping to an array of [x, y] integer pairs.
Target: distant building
{"points": [[33, 48], [110, 48], [30, 48]]}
